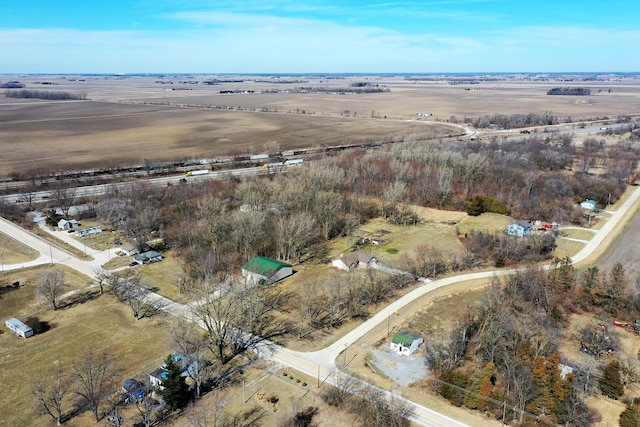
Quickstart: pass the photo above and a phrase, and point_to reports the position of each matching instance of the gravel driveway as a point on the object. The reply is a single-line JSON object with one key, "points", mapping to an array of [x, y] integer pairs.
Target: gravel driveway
{"points": [[404, 370]]}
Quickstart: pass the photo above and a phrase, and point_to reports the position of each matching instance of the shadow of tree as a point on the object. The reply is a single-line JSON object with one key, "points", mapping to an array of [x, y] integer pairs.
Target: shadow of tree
{"points": [[80, 298], [38, 326]]}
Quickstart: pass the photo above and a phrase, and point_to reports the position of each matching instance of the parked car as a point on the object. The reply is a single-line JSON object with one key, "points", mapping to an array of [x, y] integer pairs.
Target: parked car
{"points": [[133, 264]]}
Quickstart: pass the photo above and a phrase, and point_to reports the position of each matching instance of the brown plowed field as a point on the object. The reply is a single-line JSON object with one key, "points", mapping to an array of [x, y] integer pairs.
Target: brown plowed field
{"points": [[127, 119]]}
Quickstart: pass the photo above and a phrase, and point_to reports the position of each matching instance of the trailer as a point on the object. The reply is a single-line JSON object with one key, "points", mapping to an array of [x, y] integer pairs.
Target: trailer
{"points": [[19, 328], [197, 172]]}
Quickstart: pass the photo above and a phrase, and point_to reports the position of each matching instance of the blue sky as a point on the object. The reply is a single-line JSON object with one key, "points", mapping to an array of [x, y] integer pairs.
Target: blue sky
{"points": [[304, 36]]}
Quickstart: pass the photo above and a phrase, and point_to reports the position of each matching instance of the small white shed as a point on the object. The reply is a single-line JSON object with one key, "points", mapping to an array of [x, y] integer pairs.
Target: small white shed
{"points": [[64, 224], [405, 343], [19, 328]]}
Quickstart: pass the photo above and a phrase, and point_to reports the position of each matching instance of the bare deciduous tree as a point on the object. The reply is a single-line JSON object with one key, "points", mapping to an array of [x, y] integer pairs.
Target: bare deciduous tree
{"points": [[293, 234], [64, 198], [52, 398], [51, 286], [94, 374], [272, 148], [238, 317], [102, 278]]}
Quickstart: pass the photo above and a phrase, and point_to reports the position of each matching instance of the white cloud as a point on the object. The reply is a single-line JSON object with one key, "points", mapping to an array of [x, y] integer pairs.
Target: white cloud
{"points": [[255, 43]]}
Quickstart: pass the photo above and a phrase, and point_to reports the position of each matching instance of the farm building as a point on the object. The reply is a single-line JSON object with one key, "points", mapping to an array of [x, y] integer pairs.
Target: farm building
{"points": [[588, 204], [354, 260], [519, 229], [88, 231], [19, 328], [64, 224], [148, 257], [405, 343], [265, 270]]}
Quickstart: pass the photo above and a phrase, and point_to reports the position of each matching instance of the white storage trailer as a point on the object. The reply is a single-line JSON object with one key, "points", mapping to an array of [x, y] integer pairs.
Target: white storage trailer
{"points": [[19, 328], [196, 173]]}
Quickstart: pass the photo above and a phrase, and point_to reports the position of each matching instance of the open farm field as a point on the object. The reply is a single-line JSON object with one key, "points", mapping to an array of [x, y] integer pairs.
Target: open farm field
{"points": [[85, 135], [128, 119], [624, 250]]}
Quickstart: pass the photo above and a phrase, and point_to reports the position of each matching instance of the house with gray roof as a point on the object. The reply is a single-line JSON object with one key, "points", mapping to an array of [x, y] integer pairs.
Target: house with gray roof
{"points": [[67, 224], [148, 257], [354, 260]]}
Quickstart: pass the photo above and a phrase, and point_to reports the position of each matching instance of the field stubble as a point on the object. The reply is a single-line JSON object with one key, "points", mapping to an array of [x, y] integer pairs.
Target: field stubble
{"points": [[127, 119]]}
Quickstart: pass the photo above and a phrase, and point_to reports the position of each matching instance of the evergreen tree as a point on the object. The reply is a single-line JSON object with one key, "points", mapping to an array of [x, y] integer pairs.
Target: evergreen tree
{"points": [[475, 206], [175, 392], [563, 275], [630, 416], [454, 388], [610, 383], [474, 399]]}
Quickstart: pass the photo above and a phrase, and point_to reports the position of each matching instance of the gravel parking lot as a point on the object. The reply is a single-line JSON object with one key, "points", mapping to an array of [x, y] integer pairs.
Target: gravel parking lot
{"points": [[404, 370]]}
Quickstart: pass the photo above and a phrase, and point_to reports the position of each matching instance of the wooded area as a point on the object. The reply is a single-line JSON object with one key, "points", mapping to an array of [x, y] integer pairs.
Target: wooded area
{"points": [[501, 356]]}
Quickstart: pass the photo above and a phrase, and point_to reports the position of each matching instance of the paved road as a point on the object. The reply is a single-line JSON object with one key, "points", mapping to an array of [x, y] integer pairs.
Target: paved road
{"points": [[323, 362]]}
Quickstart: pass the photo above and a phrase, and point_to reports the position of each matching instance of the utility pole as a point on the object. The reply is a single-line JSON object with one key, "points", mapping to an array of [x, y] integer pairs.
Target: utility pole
{"points": [[388, 324], [345, 353]]}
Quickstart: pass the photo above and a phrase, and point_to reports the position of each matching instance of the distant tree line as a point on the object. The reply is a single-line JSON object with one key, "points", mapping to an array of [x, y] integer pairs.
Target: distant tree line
{"points": [[363, 84], [579, 91], [354, 89], [38, 94], [11, 85], [514, 121]]}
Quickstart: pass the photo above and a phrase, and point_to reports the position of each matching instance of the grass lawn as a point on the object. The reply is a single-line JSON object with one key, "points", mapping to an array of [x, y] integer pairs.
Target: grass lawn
{"points": [[118, 262], [489, 222], [437, 229], [162, 277], [567, 248], [98, 324], [14, 252], [99, 241], [22, 303], [578, 234]]}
